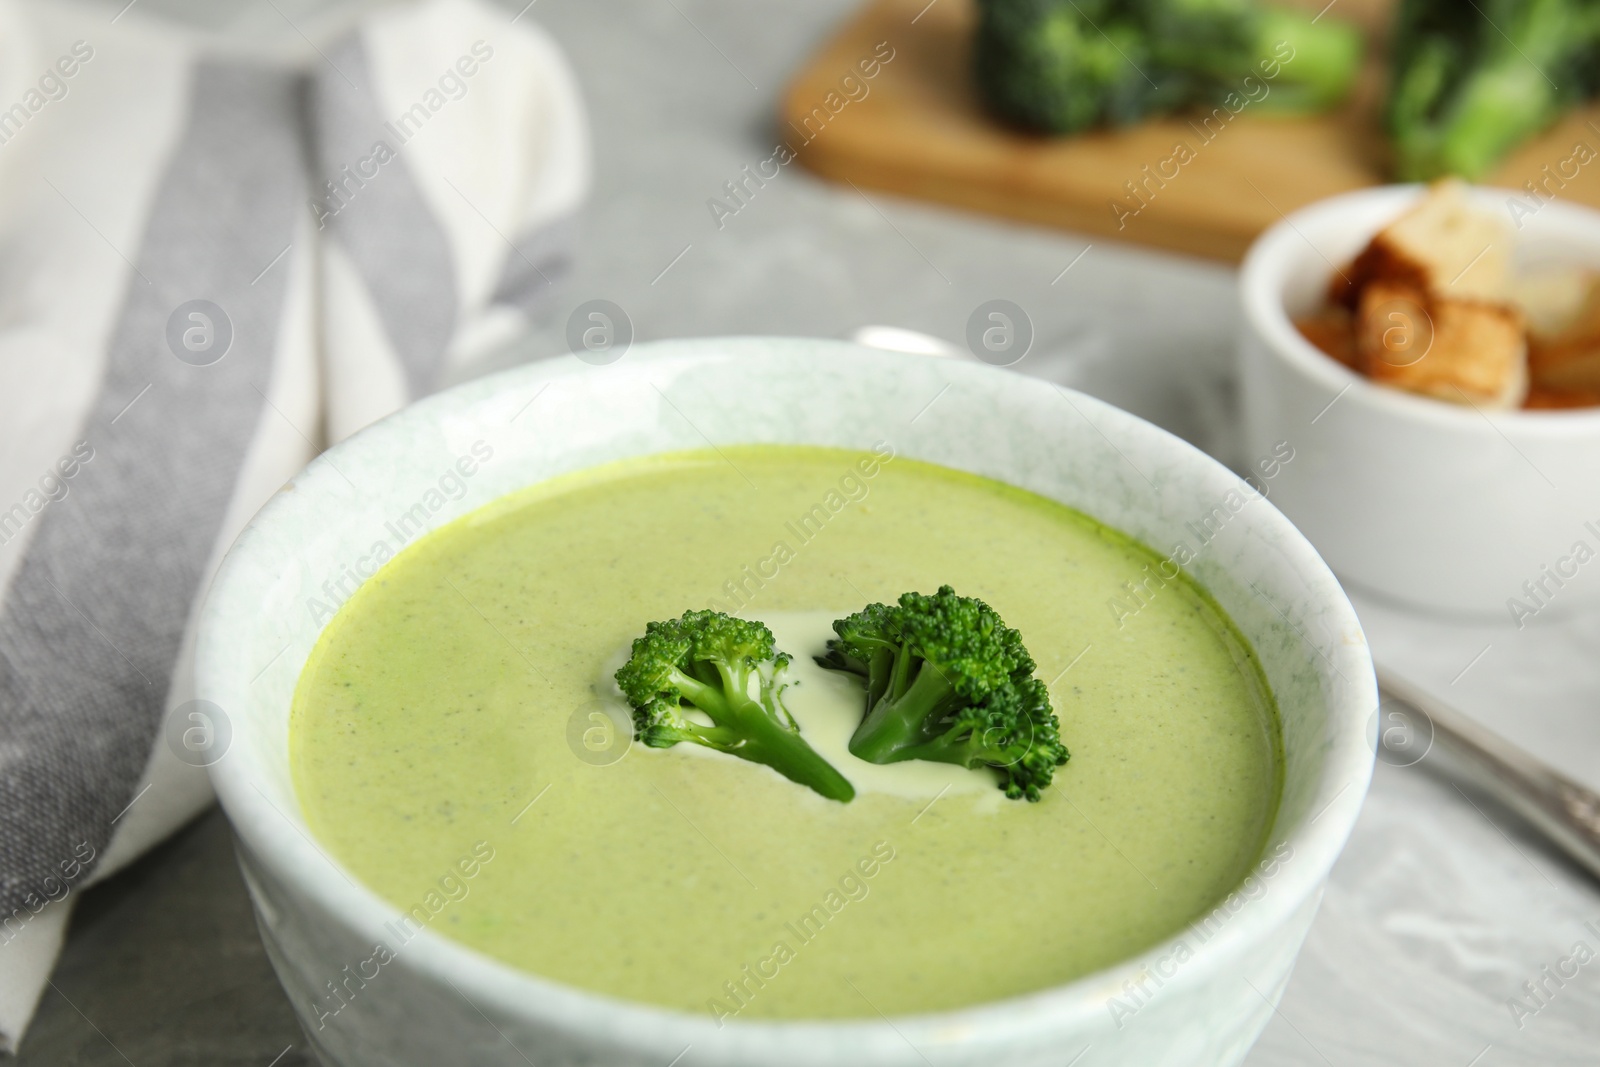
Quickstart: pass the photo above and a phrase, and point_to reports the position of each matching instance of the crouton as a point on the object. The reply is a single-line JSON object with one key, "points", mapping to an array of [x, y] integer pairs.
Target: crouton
{"points": [[1570, 367], [1333, 330], [1555, 299], [1443, 245], [1540, 399], [1394, 326], [1430, 306], [1463, 351], [1567, 358]]}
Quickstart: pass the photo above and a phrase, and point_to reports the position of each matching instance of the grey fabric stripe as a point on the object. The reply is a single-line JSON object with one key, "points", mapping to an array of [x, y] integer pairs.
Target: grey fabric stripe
{"points": [[378, 215], [537, 261], [92, 623]]}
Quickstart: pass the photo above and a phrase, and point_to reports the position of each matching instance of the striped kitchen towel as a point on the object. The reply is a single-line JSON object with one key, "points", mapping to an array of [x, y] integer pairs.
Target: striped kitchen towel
{"points": [[211, 263]]}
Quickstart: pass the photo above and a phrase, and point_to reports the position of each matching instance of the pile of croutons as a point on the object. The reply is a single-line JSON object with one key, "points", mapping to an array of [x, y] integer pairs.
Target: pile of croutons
{"points": [[1432, 306]]}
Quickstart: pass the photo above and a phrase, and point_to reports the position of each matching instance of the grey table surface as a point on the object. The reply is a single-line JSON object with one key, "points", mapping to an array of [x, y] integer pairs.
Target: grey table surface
{"points": [[1441, 907]]}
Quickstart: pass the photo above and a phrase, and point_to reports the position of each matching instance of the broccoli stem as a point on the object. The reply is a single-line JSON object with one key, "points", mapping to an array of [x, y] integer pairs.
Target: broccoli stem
{"points": [[897, 725], [753, 730], [1497, 108], [764, 740], [1471, 83], [945, 748], [1318, 61], [1416, 92], [881, 668], [708, 698]]}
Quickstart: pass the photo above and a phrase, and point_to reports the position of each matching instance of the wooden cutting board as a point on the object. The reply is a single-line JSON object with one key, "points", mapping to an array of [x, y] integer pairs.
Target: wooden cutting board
{"points": [[915, 128]]}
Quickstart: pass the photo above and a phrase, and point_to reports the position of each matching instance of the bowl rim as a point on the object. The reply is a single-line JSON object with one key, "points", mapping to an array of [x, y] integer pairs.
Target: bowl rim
{"points": [[285, 849], [1266, 265]]}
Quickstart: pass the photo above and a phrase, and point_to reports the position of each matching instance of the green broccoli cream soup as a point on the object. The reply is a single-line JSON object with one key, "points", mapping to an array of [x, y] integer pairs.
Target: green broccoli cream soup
{"points": [[453, 746]]}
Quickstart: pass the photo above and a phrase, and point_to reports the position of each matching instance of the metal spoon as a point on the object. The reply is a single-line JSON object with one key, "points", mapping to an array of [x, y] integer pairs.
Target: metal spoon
{"points": [[1063, 358], [1565, 812], [900, 339]]}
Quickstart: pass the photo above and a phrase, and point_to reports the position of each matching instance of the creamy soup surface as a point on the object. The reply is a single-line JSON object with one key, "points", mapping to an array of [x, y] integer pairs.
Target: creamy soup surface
{"points": [[451, 744]]}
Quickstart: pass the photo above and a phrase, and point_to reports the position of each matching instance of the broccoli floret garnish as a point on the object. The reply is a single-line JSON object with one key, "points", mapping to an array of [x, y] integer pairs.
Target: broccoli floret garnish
{"points": [[948, 681], [1013, 730], [729, 670]]}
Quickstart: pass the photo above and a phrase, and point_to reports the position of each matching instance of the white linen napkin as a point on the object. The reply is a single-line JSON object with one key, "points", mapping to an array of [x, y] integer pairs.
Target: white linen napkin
{"points": [[211, 264]]}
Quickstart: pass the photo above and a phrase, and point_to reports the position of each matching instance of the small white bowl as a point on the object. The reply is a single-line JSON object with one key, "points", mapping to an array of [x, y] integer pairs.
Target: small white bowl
{"points": [[1201, 997], [1438, 506]]}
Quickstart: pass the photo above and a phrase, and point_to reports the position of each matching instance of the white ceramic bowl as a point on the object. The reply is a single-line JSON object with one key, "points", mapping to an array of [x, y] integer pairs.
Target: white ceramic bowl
{"points": [[1436, 505], [1200, 998]]}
